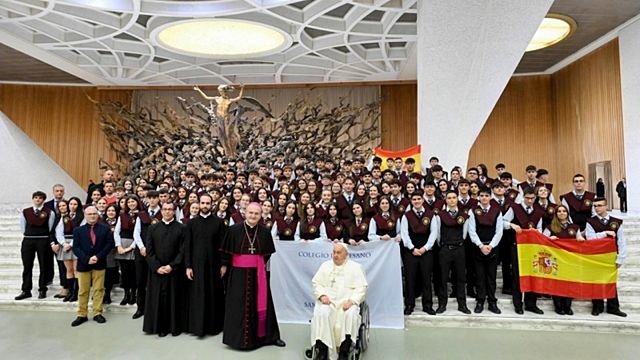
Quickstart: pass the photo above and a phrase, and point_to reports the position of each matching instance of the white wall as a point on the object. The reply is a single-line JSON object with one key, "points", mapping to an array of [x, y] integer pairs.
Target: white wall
{"points": [[26, 168], [467, 52], [630, 74]]}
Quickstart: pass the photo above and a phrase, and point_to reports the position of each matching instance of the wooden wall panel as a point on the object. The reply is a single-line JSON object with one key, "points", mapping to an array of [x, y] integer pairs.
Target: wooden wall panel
{"points": [[519, 131], [399, 124], [588, 114], [63, 122]]}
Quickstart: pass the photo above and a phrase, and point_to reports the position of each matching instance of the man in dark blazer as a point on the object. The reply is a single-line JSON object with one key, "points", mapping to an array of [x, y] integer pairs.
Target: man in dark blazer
{"points": [[58, 195], [91, 244]]}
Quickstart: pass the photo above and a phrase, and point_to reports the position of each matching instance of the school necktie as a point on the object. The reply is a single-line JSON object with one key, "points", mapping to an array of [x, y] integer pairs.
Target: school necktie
{"points": [[92, 234], [485, 210], [529, 210], [420, 214], [604, 221], [452, 213], [37, 212], [500, 202]]}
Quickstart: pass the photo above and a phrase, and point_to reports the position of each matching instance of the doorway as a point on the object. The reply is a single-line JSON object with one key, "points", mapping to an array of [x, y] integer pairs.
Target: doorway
{"points": [[602, 170]]}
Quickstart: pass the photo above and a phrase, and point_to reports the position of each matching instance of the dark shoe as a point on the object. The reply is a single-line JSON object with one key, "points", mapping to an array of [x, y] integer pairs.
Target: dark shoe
{"points": [[429, 310], [408, 310], [68, 297], [479, 308], [139, 313], [617, 312], [279, 343], [494, 309], [345, 348], [125, 298], [535, 310], [441, 309], [559, 311], [99, 319], [42, 294], [162, 334], [519, 311], [596, 312], [61, 294], [568, 312], [79, 321], [74, 296], [464, 309], [23, 295], [322, 351]]}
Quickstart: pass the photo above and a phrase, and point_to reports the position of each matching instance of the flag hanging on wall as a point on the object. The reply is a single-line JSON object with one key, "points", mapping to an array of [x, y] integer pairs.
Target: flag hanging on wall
{"points": [[566, 267], [412, 152]]}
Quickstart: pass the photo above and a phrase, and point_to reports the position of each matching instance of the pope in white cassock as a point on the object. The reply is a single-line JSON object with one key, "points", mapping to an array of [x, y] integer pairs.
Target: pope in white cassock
{"points": [[340, 286]]}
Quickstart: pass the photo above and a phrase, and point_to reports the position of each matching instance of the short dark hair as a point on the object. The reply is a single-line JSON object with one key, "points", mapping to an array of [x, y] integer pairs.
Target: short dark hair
{"points": [[436, 168], [39, 194], [500, 165], [578, 175], [153, 194], [417, 193], [484, 190], [531, 168], [529, 191], [506, 175], [542, 172], [600, 199]]}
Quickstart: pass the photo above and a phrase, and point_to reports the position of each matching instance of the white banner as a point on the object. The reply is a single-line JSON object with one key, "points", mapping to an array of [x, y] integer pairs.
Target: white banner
{"points": [[295, 263]]}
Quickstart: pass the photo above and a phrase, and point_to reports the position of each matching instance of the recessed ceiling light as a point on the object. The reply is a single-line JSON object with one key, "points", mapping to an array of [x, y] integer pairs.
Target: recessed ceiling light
{"points": [[221, 38], [553, 29]]}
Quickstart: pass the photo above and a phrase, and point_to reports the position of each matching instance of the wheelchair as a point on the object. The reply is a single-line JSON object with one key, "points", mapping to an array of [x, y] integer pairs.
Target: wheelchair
{"points": [[360, 344]]}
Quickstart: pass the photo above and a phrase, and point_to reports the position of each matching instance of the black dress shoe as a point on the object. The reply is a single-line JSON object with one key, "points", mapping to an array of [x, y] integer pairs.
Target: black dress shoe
{"points": [[79, 321], [42, 294], [519, 311], [162, 334], [99, 319], [279, 343], [429, 310], [596, 312], [568, 312], [139, 313], [535, 310], [617, 312], [464, 309], [441, 309], [479, 308], [494, 309], [408, 310], [559, 311], [23, 295]]}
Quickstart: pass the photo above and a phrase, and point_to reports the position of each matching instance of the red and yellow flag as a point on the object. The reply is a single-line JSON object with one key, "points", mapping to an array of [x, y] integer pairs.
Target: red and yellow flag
{"points": [[566, 267], [412, 152]]}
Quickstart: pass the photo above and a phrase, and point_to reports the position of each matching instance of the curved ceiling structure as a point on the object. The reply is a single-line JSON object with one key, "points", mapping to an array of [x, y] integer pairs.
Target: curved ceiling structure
{"points": [[110, 40]]}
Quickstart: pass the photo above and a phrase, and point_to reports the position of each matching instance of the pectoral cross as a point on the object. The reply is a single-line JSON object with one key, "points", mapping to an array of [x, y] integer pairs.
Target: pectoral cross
{"points": [[252, 250], [333, 281]]}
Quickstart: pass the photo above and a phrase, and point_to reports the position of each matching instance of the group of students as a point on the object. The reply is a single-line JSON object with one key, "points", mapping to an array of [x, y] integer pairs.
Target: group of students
{"points": [[450, 228]]}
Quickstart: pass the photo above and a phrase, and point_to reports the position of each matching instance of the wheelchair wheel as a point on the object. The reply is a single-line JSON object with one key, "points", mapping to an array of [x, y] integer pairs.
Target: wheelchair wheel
{"points": [[363, 332], [310, 353]]}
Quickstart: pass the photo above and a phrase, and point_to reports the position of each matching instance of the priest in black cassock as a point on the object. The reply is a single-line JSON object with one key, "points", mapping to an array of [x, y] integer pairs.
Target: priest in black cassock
{"points": [[165, 307], [203, 235], [250, 318]]}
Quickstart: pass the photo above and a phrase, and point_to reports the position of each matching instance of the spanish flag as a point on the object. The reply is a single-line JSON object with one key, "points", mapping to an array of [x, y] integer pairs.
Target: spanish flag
{"points": [[566, 267], [412, 152]]}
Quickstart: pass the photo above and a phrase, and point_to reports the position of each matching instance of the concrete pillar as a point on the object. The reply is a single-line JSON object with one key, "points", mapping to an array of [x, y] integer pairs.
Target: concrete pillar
{"points": [[629, 40], [467, 52]]}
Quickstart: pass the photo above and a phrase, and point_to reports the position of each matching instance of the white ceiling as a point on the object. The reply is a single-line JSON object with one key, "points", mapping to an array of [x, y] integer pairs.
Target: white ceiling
{"points": [[106, 42]]}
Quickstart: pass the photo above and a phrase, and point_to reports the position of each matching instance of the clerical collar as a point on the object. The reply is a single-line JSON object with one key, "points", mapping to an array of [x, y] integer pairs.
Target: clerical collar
{"points": [[167, 222], [205, 215], [249, 226]]}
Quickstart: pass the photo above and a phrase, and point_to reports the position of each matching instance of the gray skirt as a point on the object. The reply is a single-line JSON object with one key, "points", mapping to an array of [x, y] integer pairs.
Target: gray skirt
{"points": [[111, 258], [131, 255], [66, 255]]}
